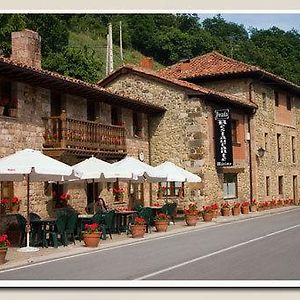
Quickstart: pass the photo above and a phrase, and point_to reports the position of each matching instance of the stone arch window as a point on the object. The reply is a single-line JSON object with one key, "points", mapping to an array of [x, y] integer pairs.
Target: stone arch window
{"points": [[137, 124]]}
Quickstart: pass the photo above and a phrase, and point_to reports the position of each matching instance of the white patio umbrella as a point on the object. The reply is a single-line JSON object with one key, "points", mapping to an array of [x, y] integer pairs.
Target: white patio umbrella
{"points": [[32, 165], [97, 170], [176, 173], [139, 171]]}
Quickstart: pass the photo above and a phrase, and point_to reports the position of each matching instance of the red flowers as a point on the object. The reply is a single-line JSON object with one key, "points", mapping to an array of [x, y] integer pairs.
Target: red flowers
{"points": [[236, 204], [161, 217], [215, 206], [207, 209], [225, 205], [192, 209], [245, 204], [15, 200], [4, 242], [139, 221], [4, 201], [118, 191], [91, 228], [64, 197]]}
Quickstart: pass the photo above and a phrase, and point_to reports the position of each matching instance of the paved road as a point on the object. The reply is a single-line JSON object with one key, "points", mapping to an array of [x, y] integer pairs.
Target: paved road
{"points": [[262, 248]]}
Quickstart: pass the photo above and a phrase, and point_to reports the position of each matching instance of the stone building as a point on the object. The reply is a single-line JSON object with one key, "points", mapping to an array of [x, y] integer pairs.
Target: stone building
{"points": [[274, 127], [185, 133], [69, 120]]}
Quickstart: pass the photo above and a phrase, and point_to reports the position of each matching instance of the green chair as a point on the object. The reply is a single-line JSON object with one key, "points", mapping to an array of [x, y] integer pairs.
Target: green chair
{"points": [[71, 221], [60, 227], [164, 209], [138, 207], [171, 211], [147, 214], [107, 223], [22, 225]]}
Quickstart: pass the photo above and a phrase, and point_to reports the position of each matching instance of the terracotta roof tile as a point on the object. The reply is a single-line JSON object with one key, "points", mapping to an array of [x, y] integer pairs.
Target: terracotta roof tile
{"points": [[7, 63], [215, 64], [179, 83]]}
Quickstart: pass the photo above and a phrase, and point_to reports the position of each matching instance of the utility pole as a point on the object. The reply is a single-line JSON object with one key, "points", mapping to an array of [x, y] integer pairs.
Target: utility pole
{"points": [[110, 55], [121, 43], [107, 51]]}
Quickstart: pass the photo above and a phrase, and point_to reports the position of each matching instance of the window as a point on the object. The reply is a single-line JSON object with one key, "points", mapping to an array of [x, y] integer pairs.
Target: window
{"points": [[264, 100], [266, 140], [234, 124], [7, 191], [280, 185], [230, 186], [267, 185], [295, 187], [293, 150], [137, 125], [288, 102], [276, 98], [6, 98], [279, 147], [173, 188], [116, 116]]}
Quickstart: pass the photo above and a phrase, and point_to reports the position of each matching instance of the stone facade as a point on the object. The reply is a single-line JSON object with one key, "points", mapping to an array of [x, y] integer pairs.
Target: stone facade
{"points": [[26, 131], [268, 121], [184, 135]]}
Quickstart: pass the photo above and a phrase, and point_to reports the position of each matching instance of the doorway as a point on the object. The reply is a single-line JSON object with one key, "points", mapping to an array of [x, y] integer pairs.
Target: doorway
{"points": [[295, 188]]}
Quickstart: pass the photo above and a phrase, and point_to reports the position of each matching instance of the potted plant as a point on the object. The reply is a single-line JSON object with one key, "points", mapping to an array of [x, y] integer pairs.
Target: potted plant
{"points": [[260, 206], [279, 203], [215, 209], [62, 201], [191, 214], [225, 209], [273, 203], [253, 206], [4, 243], [91, 235], [15, 205], [236, 209], [245, 207], [138, 227], [161, 222], [3, 205], [207, 213]]}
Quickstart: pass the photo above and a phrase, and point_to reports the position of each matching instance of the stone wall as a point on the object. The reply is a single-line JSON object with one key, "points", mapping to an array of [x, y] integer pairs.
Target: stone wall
{"points": [[181, 136]]}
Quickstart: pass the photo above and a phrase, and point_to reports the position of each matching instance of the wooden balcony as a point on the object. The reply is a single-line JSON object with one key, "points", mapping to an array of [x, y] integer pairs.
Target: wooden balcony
{"points": [[82, 138]]}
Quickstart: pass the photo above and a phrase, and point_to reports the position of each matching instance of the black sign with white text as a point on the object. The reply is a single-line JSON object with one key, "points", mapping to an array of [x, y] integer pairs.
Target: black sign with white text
{"points": [[223, 138]]}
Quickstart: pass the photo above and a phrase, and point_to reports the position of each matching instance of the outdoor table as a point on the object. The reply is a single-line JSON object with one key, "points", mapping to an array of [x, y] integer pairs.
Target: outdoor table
{"points": [[122, 219], [83, 219], [44, 228]]}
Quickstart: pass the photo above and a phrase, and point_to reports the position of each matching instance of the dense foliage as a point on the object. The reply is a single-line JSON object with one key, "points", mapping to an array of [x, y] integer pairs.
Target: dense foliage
{"points": [[75, 44]]}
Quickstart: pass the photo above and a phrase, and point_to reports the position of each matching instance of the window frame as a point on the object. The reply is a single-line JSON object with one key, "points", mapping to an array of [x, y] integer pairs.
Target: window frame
{"points": [[235, 175], [137, 124], [280, 185], [170, 189], [234, 132], [279, 148], [293, 148], [288, 102], [267, 190]]}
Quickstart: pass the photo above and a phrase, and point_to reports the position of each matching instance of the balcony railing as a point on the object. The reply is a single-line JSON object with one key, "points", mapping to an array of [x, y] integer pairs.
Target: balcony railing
{"points": [[83, 136]]}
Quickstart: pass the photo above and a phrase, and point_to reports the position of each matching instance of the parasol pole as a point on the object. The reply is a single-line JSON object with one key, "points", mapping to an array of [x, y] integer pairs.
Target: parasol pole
{"points": [[94, 194]]}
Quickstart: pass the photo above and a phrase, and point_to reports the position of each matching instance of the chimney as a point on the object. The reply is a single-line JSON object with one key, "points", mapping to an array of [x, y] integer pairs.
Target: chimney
{"points": [[26, 48], [147, 63]]}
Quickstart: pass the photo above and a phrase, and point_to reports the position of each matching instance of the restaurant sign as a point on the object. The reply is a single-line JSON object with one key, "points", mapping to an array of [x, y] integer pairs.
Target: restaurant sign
{"points": [[223, 137]]}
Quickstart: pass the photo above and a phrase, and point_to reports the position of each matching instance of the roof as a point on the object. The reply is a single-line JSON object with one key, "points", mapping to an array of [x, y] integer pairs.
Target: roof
{"points": [[52, 80], [190, 88], [214, 64]]}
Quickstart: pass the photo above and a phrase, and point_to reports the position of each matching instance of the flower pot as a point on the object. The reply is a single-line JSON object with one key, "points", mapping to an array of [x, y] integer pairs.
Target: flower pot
{"points": [[225, 211], [13, 112], [14, 209], [207, 217], [2, 255], [215, 213], [161, 226], [91, 239], [236, 211], [245, 210], [138, 231], [191, 220], [253, 208]]}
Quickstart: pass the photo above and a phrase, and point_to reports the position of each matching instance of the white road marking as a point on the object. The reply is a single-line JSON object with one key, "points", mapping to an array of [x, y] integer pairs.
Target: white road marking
{"points": [[134, 243], [216, 253]]}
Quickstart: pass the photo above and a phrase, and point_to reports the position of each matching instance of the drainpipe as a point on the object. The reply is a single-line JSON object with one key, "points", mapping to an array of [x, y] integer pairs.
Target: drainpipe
{"points": [[249, 118]]}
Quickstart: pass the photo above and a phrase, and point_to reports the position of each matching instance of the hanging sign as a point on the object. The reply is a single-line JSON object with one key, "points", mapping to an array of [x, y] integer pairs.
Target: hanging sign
{"points": [[223, 138]]}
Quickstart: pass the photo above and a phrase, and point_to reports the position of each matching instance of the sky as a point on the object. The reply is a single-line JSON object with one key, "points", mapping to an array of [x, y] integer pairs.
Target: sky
{"points": [[261, 21]]}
